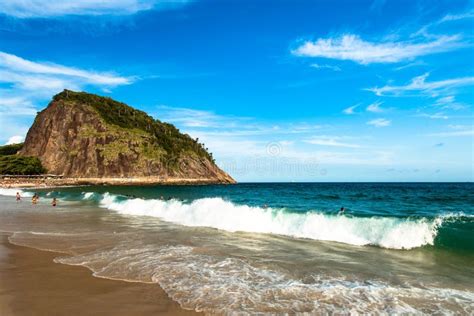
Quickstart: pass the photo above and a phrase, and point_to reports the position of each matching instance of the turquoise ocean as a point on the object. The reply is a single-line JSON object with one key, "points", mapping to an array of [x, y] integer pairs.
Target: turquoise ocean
{"points": [[266, 248]]}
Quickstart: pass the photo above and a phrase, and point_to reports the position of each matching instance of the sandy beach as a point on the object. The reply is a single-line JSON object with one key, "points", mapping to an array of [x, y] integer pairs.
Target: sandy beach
{"points": [[45, 182], [32, 284]]}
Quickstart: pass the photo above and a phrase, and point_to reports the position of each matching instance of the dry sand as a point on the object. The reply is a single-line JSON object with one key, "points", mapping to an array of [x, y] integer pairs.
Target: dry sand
{"points": [[44, 182]]}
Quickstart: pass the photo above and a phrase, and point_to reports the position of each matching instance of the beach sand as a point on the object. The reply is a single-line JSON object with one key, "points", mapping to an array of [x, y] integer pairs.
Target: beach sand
{"points": [[32, 284]]}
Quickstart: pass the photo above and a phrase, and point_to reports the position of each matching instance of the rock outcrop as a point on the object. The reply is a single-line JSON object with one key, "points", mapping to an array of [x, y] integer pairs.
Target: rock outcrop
{"points": [[82, 135]]}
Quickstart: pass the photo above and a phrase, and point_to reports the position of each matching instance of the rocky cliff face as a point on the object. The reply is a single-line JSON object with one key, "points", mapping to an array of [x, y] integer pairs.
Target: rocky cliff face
{"points": [[87, 136]]}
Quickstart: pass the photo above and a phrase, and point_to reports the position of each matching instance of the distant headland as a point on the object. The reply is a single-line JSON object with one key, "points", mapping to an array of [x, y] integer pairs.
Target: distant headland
{"points": [[83, 138]]}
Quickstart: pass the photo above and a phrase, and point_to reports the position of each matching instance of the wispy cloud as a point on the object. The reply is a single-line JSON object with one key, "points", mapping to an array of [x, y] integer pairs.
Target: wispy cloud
{"points": [[26, 83], [467, 132], [15, 106], [41, 8], [410, 65], [380, 122], [352, 47], [455, 130], [449, 102], [435, 116], [332, 141], [325, 66], [34, 75], [351, 110], [419, 85], [192, 118], [457, 17], [12, 126], [375, 107], [459, 127]]}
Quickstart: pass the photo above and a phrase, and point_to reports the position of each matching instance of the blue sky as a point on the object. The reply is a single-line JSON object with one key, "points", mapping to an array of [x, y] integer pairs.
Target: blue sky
{"points": [[278, 90]]}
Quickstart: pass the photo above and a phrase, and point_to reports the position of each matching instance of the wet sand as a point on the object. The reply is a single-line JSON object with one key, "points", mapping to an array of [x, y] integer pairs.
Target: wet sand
{"points": [[32, 284]]}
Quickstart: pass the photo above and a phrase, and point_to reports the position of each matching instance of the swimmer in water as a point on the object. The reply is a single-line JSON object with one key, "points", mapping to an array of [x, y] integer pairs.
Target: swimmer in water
{"points": [[34, 199], [18, 197], [342, 211], [54, 202]]}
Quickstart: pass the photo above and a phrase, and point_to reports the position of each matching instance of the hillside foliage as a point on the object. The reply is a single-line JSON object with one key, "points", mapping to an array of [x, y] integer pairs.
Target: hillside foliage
{"points": [[13, 164], [10, 149], [167, 136]]}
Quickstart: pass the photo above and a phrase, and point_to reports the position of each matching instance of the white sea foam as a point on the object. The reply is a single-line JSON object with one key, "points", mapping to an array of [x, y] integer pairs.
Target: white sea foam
{"points": [[87, 195], [226, 285], [12, 192], [386, 232]]}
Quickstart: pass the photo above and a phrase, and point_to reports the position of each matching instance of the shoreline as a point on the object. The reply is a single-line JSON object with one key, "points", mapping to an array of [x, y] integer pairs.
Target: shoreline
{"points": [[25, 182], [31, 283]]}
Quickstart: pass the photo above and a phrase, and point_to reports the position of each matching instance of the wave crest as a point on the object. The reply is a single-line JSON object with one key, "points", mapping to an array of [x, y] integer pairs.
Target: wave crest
{"points": [[12, 192], [386, 232]]}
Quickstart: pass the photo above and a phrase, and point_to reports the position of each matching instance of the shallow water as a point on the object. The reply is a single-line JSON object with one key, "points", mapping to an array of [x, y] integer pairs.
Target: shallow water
{"points": [[397, 248]]}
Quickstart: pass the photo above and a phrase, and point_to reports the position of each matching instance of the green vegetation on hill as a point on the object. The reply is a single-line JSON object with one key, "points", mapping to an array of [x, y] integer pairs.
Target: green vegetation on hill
{"points": [[20, 165], [10, 149], [12, 164], [119, 114]]}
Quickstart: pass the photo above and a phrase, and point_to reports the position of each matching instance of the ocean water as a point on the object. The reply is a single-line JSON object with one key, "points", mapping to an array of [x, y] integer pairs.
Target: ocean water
{"points": [[267, 248]]}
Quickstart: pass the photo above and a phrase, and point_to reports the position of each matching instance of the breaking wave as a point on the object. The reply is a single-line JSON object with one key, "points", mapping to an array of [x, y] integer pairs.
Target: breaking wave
{"points": [[12, 192], [386, 232]]}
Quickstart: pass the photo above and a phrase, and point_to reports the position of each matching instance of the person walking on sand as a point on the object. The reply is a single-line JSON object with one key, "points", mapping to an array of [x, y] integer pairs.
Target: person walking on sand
{"points": [[18, 197], [54, 202]]}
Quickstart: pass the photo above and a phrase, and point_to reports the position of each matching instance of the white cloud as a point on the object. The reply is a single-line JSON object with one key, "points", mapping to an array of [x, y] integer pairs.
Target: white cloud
{"points": [[410, 65], [445, 100], [325, 66], [352, 47], [459, 127], [333, 141], [380, 122], [438, 115], [31, 74], [466, 132], [192, 118], [420, 85], [27, 83], [456, 17], [350, 110], [286, 142], [42, 8], [15, 140], [249, 149], [375, 107], [14, 106], [450, 103], [44, 79]]}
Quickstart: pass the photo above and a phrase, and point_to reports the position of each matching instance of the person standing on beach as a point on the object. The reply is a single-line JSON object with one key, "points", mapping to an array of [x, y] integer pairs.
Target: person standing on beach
{"points": [[18, 197]]}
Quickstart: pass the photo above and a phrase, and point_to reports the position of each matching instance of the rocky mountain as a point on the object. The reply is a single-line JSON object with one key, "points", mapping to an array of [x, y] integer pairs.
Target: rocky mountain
{"points": [[84, 135]]}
